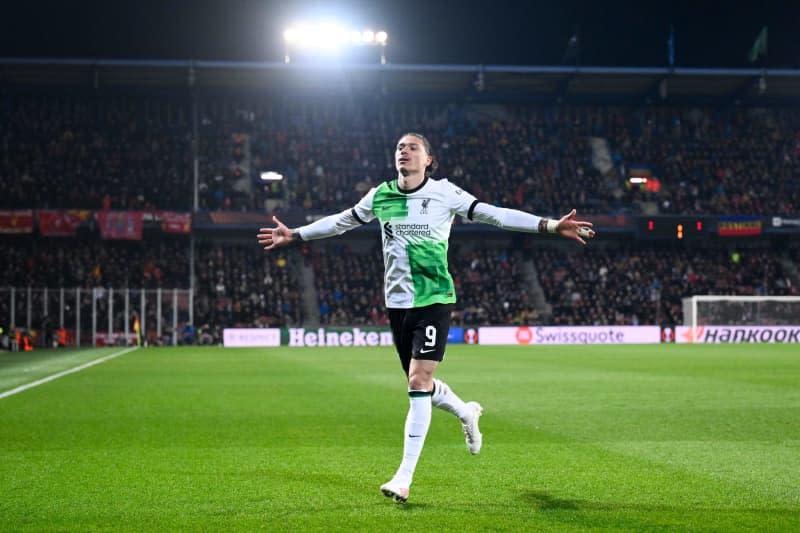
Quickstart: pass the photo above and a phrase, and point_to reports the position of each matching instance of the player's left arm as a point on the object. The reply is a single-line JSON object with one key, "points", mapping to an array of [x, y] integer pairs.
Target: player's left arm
{"points": [[515, 220], [466, 205]]}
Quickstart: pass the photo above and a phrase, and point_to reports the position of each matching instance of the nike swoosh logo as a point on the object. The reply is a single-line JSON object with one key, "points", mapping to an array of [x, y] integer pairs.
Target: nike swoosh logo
{"points": [[426, 351], [415, 436]]}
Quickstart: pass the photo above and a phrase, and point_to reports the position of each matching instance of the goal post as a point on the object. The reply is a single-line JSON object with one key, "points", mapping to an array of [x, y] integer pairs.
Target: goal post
{"points": [[720, 310]]}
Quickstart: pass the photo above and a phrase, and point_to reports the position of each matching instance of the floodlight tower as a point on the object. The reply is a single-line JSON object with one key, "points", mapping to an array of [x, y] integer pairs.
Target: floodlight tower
{"points": [[330, 39]]}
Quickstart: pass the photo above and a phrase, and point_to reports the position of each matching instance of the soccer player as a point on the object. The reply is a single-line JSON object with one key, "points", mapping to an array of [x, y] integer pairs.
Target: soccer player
{"points": [[415, 212]]}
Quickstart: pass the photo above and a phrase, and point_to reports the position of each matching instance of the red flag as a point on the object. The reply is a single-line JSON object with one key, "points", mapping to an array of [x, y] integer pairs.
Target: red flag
{"points": [[16, 221], [125, 225], [60, 223], [175, 222]]}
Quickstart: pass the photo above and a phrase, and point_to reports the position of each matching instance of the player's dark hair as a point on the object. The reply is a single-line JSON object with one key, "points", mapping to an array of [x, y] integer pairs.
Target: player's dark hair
{"points": [[430, 169]]}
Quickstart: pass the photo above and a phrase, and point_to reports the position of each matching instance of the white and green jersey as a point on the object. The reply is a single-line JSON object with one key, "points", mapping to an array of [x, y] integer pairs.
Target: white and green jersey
{"points": [[415, 225]]}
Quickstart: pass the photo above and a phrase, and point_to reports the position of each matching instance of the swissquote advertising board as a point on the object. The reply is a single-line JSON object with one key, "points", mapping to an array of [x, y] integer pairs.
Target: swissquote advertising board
{"points": [[569, 335]]}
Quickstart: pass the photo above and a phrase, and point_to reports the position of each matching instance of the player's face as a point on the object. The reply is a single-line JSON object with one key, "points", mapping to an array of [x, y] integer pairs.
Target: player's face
{"points": [[410, 156]]}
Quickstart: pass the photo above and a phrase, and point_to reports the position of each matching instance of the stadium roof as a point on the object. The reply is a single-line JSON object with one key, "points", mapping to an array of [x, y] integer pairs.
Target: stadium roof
{"points": [[532, 82]]}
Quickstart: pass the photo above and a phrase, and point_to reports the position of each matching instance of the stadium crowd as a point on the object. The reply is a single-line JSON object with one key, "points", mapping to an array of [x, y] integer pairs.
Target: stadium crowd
{"points": [[70, 262], [594, 285], [491, 288], [236, 285], [90, 151], [705, 160], [631, 286], [349, 285], [239, 285], [135, 152]]}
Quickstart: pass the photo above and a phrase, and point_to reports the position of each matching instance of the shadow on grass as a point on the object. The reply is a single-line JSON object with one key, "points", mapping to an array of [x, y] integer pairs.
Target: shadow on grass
{"points": [[410, 507], [640, 517], [543, 501]]}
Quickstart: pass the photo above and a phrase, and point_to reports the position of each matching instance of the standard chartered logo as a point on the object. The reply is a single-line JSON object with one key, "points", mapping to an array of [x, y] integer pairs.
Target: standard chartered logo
{"points": [[408, 230]]}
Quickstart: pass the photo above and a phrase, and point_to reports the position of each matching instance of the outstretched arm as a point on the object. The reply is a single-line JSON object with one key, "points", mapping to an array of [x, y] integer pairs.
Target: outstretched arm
{"points": [[516, 220], [328, 226]]}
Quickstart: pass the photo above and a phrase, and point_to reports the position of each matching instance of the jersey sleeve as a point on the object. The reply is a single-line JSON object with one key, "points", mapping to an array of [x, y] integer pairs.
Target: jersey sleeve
{"points": [[461, 202], [466, 205], [337, 224], [362, 211], [510, 219]]}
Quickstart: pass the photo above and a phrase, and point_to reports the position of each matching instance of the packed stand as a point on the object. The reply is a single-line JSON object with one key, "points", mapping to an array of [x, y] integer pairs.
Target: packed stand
{"points": [[330, 154], [626, 286], [71, 263], [711, 160], [349, 285], [241, 286], [704, 160], [491, 288], [93, 266], [95, 151], [128, 151], [587, 286], [236, 285]]}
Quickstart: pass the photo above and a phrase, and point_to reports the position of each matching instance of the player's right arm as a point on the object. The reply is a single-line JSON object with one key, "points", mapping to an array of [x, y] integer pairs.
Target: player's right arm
{"points": [[328, 226]]}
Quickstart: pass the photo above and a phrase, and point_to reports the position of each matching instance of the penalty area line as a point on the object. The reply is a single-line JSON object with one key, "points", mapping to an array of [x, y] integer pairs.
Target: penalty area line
{"points": [[48, 379]]}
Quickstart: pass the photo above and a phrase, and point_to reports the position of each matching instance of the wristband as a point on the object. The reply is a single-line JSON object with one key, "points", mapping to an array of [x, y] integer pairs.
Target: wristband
{"points": [[548, 225], [542, 225]]}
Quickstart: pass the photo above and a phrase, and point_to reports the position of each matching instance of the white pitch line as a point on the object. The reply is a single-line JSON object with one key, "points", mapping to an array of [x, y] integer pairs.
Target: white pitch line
{"points": [[23, 388]]}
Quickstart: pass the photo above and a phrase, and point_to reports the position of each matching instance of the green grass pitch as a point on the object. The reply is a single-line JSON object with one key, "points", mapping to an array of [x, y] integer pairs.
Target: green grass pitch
{"points": [[683, 438]]}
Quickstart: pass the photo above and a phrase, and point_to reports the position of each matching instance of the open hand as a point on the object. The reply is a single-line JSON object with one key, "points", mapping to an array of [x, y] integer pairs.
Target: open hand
{"points": [[269, 238], [574, 229]]}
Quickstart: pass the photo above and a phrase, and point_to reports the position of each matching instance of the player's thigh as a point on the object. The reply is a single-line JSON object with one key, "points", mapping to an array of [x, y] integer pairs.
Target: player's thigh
{"points": [[431, 325], [402, 335]]}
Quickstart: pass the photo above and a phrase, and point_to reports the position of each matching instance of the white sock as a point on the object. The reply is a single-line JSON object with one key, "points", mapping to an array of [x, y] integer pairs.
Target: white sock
{"points": [[417, 423], [447, 400]]}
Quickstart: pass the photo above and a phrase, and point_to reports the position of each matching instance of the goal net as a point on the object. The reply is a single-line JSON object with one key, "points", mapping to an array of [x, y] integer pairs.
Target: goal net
{"points": [[741, 311]]}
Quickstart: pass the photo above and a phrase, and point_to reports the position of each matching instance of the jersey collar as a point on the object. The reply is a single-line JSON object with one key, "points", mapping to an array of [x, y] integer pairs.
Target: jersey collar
{"points": [[415, 189]]}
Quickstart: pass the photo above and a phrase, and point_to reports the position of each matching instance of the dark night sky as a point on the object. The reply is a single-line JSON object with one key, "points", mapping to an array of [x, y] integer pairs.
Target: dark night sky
{"points": [[612, 33]]}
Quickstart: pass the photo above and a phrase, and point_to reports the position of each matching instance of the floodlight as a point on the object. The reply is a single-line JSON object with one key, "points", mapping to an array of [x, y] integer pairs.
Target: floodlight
{"points": [[291, 35], [329, 37], [271, 176]]}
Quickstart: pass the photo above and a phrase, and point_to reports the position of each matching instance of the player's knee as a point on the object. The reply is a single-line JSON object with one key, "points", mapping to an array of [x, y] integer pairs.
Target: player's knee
{"points": [[420, 382]]}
